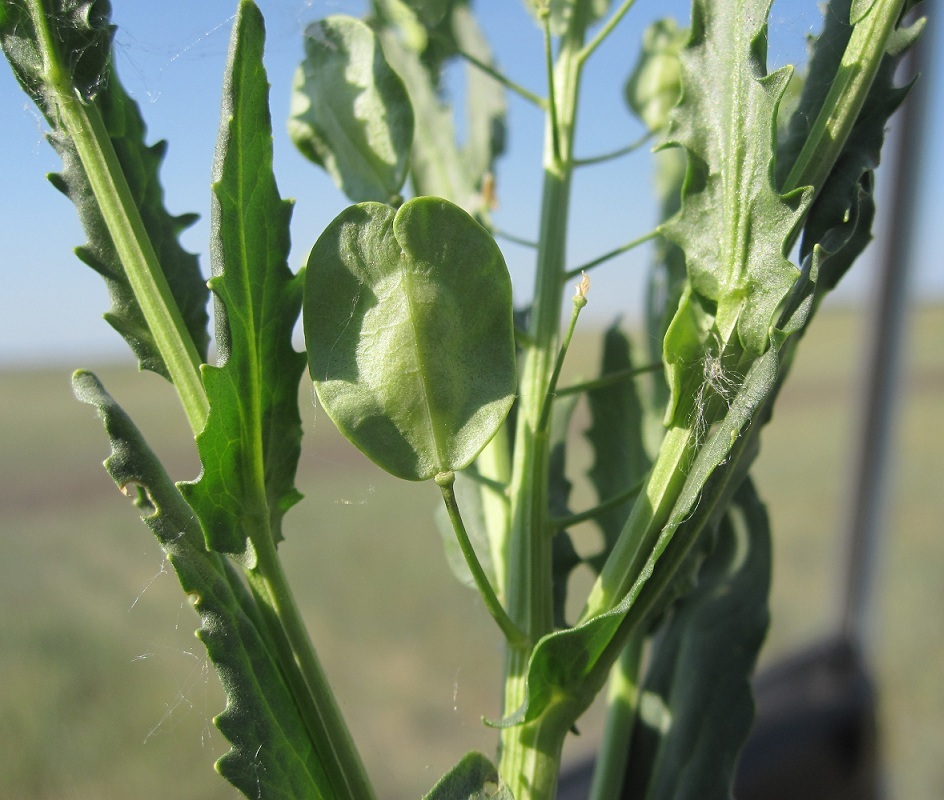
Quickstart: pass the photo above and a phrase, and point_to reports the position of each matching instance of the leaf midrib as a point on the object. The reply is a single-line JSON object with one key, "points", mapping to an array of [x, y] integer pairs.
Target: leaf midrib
{"points": [[407, 285]]}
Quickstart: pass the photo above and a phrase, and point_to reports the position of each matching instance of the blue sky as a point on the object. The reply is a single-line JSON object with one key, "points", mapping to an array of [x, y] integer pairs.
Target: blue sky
{"points": [[171, 57]]}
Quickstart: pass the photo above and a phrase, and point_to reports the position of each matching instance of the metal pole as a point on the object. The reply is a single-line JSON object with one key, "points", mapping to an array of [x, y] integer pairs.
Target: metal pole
{"points": [[887, 328]]}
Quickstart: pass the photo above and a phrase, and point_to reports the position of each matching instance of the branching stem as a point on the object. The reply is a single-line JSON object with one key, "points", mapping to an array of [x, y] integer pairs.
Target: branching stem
{"points": [[610, 503], [609, 379], [605, 31], [624, 248], [505, 81], [614, 154]]}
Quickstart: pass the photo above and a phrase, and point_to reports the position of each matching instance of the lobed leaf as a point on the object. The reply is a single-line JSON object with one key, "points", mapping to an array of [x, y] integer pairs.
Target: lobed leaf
{"points": [[571, 666], [849, 185], [82, 33], [252, 439], [734, 225], [696, 705], [350, 112], [408, 322], [271, 753]]}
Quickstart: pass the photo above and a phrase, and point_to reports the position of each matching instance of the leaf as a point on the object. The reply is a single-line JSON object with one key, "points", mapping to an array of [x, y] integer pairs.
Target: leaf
{"points": [[350, 112], [251, 443], [430, 12], [473, 778], [850, 183], [83, 34], [408, 322], [654, 86], [698, 682], [616, 437], [271, 753], [564, 557], [733, 225], [571, 666], [440, 166]]}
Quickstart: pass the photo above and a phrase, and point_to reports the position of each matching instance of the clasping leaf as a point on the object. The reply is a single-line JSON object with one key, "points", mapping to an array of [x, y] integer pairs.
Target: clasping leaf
{"points": [[408, 324]]}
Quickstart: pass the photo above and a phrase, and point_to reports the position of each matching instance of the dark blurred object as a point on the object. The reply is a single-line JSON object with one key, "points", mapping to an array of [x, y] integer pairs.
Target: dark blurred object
{"points": [[815, 736]]}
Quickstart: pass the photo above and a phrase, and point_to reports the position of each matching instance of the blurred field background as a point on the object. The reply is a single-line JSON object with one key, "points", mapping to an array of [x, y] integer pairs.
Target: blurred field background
{"points": [[105, 692]]}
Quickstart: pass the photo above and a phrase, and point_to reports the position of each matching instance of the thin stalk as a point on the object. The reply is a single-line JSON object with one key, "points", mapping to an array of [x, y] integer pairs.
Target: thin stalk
{"points": [[606, 30], [614, 154], [84, 126], [552, 87], [505, 81], [493, 472], [592, 513], [500, 234], [446, 482], [322, 715], [580, 301], [609, 772], [610, 378], [623, 248]]}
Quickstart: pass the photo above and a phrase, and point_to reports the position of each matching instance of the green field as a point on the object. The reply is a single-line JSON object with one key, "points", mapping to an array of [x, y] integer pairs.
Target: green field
{"points": [[107, 694]]}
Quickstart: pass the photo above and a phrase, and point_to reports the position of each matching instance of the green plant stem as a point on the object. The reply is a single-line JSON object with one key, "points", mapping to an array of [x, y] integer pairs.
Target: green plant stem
{"points": [[612, 254], [606, 30], [614, 154], [331, 738], [592, 513], [607, 380], [515, 638], [580, 301], [847, 94], [552, 115], [650, 513], [499, 234], [529, 758], [84, 126], [493, 472], [622, 700], [505, 81]]}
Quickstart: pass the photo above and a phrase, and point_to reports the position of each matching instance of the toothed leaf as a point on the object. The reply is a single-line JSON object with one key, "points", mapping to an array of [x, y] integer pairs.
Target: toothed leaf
{"points": [[252, 439], [733, 225], [698, 681], [271, 753], [82, 33]]}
